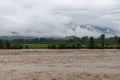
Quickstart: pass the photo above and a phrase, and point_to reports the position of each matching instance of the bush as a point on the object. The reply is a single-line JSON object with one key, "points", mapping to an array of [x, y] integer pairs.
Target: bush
{"points": [[52, 46], [61, 46], [6, 44], [1, 43], [26, 47], [16, 46], [118, 47], [78, 46]]}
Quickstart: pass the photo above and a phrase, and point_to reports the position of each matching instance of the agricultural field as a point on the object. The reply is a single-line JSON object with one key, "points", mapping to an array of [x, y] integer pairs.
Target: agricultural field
{"points": [[60, 64], [37, 46], [83, 46]]}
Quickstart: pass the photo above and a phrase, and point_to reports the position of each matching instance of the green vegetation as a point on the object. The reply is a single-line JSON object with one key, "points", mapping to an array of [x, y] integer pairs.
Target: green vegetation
{"points": [[5, 44], [65, 46], [16, 46], [102, 38], [70, 42], [91, 43], [35, 46]]}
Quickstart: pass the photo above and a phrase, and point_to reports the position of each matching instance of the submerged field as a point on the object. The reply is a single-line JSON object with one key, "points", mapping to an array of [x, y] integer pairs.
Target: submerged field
{"points": [[59, 64]]}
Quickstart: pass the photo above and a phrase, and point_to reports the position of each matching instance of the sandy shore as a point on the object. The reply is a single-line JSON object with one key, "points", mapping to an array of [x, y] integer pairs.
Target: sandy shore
{"points": [[59, 64]]}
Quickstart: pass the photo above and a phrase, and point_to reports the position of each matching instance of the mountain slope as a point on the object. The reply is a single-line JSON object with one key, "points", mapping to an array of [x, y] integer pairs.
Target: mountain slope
{"points": [[99, 29], [70, 30], [92, 30]]}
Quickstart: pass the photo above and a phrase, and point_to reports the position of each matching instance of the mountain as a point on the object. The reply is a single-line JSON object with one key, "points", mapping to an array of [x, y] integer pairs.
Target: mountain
{"points": [[95, 29], [72, 30], [99, 29]]}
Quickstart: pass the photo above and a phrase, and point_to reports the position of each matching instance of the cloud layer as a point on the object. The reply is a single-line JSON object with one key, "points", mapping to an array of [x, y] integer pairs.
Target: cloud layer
{"points": [[52, 17]]}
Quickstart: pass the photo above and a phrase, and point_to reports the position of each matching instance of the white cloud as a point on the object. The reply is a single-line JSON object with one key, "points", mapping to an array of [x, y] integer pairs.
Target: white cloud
{"points": [[49, 17]]}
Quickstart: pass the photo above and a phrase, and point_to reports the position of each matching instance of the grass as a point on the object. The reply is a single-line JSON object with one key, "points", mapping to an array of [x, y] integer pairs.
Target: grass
{"points": [[83, 46], [37, 46]]}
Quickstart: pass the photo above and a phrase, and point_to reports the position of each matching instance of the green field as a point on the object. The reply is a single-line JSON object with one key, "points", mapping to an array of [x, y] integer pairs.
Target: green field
{"points": [[83, 46], [37, 46]]}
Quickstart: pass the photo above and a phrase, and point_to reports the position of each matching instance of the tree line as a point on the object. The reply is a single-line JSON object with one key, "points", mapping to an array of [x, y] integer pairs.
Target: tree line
{"points": [[6, 44], [91, 43], [69, 42], [68, 39]]}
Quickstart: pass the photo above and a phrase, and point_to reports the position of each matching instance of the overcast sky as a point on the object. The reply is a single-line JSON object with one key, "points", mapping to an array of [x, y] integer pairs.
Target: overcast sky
{"points": [[52, 17]]}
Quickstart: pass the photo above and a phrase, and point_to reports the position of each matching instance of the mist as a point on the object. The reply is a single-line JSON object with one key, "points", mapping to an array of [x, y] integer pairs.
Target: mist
{"points": [[44, 18]]}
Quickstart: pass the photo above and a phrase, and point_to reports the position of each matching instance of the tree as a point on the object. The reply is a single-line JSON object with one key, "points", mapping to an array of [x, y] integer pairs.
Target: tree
{"points": [[61, 46], [1, 43], [102, 38], [15, 45], [26, 46], [118, 41], [116, 38], [78, 46], [91, 43], [52, 46], [73, 46], [6, 44]]}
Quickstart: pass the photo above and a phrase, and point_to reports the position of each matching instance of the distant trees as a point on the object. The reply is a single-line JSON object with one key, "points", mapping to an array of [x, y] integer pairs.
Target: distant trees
{"points": [[88, 43], [102, 38], [1, 43], [61, 46], [118, 41], [91, 43], [64, 46], [78, 46], [5, 44], [26, 47], [71, 42], [15, 45], [52, 46]]}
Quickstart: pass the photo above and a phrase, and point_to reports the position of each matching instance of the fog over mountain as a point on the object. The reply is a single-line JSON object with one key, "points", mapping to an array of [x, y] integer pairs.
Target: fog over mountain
{"points": [[59, 18]]}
